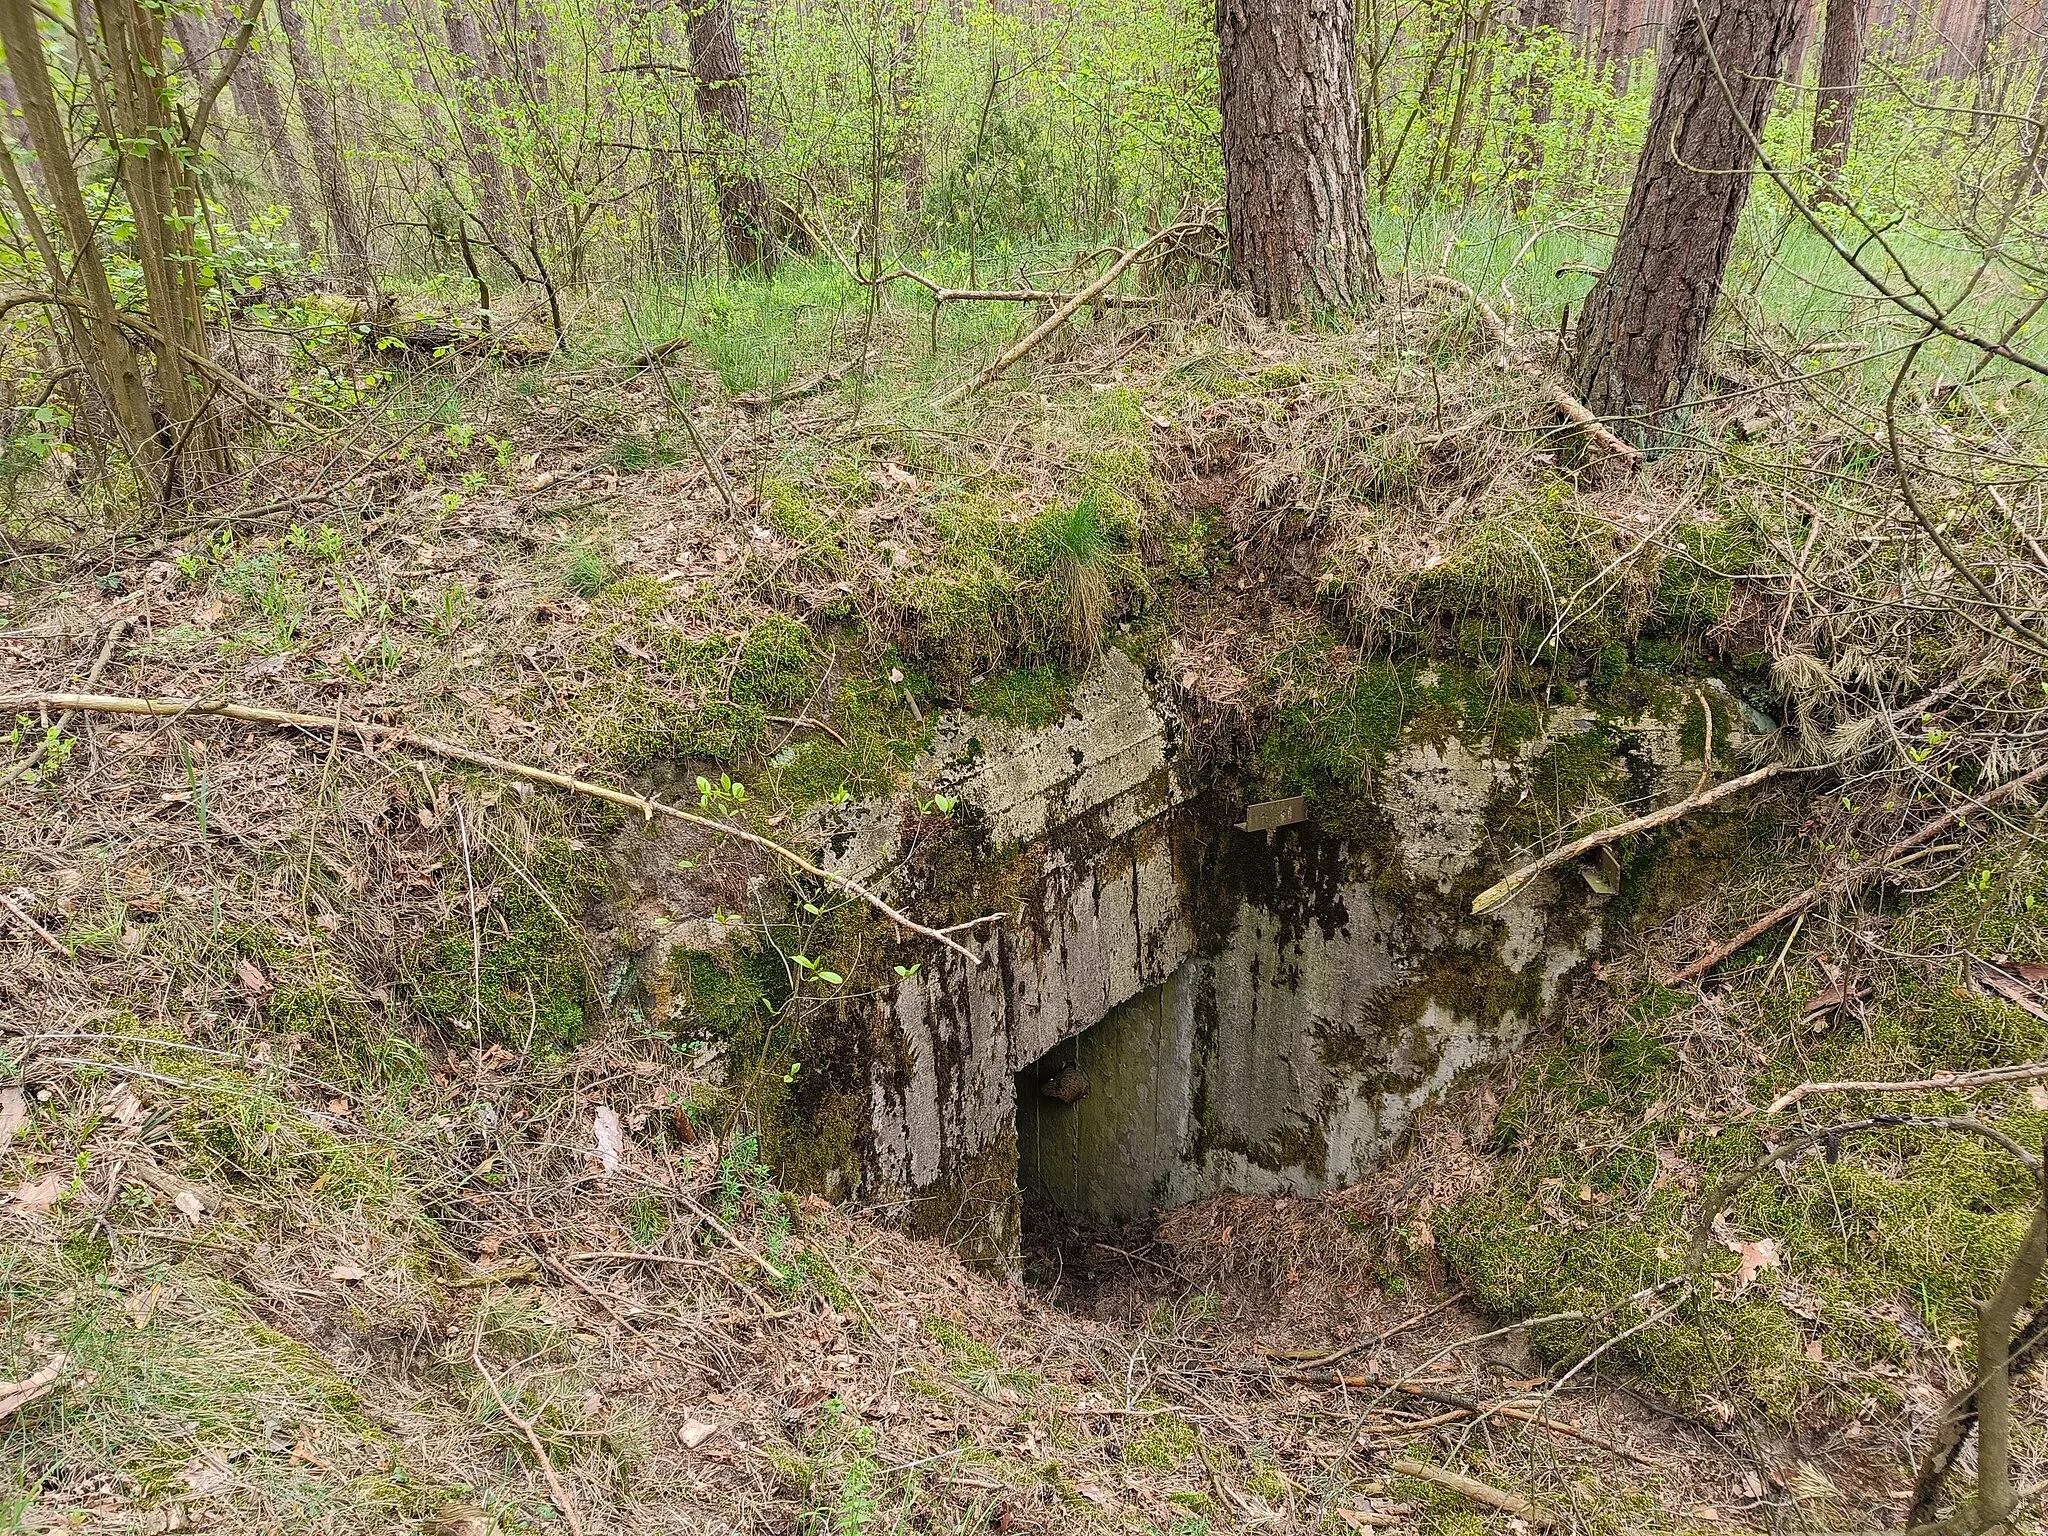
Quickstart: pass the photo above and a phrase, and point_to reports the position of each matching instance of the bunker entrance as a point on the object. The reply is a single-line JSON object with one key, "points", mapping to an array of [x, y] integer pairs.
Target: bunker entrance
{"points": [[1106, 1122]]}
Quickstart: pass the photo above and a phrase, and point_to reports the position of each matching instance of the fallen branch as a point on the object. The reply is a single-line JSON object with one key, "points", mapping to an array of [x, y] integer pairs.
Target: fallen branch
{"points": [[525, 1427], [1066, 311], [1473, 1489], [1466, 1407], [1859, 875], [1506, 890], [765, 399], [250, 714], [99, 665], [16, 911], [1310, 1359], [943, 295], [805, 722], [1569, 404], [1940, 1080]]}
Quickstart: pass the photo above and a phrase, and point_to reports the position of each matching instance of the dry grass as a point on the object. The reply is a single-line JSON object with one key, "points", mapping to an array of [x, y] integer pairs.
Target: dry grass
{"points": [[268, 967]]}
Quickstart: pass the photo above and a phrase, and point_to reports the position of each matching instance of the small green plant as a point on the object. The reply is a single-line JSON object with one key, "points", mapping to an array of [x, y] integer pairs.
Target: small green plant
{"points": [[816, 972], [728, 794], [1082, 562], [940, 805], [587, 573], [323, 543], [55, 745], [450, 612]]}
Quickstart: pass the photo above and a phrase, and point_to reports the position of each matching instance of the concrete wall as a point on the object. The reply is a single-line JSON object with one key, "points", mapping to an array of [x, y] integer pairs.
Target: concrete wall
{"points": [[1254, 1012]]}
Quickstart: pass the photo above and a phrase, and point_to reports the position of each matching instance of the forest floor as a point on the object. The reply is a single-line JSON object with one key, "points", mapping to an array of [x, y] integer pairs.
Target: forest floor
{"points": [[353, 1183]]}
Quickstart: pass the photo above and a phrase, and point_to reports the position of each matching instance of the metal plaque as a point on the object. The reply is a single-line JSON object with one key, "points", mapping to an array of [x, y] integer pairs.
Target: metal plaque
{"points": [[1268, 814]]}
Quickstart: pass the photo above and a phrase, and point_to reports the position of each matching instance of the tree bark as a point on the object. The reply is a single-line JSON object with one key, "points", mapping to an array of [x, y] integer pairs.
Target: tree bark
{"points": [[728, 125], [103, 348], [1646, 320], [253, 84], [350, 249], [1536, 93], [474, 105], [1294, 181], [1834, 107]]}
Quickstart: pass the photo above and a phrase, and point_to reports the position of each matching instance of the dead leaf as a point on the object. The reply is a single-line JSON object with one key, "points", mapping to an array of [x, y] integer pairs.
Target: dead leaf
{"points": [[17, 1395], [39, 1196], [2010, 988], [250, 974], [347, 1272], [1097, 1495], [1358, 1520], [2037, 1095], [188, 1201], [141, 1307], [1756, 1258], [13, 1114], [461, 1520], [206, 1473], [611, 1139], [127, 1106], [695, 1432]]}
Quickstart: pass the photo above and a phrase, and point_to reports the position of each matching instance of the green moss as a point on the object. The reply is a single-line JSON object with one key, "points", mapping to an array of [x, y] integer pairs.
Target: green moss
{"points": [[697, 699], [521, 976], [1028, 696], [1696, 584], [1909, 1223], [1167, 1441], [963, 1350], [1569, 773]]}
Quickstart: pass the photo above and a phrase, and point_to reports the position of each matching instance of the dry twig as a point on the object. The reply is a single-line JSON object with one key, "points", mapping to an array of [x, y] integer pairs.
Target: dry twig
{"points": [[1569, 404], [251, 714], [1504, 891]]}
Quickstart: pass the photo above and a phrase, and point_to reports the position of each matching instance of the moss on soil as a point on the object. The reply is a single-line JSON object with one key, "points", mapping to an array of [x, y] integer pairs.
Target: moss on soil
{"points": [[524, 980], [1885, 1250]]}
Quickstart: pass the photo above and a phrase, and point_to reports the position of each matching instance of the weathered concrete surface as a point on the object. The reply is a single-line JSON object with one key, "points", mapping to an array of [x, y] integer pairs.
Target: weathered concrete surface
{"points": [[1257, 1012]]}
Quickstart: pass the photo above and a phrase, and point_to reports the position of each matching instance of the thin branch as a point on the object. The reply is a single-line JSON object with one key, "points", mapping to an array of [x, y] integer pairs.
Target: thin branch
{"points": [[250, 714], [1512, 885], [1939, 1081], [1568, 403], [525, 1427]]}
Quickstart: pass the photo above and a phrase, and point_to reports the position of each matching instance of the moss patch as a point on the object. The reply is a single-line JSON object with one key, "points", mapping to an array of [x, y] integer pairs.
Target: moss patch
{"points": [[523, 981]]}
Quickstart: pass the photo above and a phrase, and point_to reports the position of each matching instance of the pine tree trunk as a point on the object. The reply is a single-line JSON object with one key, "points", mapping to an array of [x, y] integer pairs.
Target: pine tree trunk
{"points": [[1646, 320], [253, 84], [1834, 109], [350, 251], [727, 122], [1293, 181]]}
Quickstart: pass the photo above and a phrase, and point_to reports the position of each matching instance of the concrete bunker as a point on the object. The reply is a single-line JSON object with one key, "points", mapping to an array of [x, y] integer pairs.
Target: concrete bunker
{"points": [[1252, 1011]]}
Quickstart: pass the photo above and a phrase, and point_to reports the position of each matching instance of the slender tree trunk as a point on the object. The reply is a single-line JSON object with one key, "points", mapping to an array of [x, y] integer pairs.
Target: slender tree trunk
{"points": [[1834, 106], [350, 249], [1293, 181], [103, 347], [727, 123], [1538, 97], [474, 110], [164, 195], [1646, 320], [254, 84]]}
